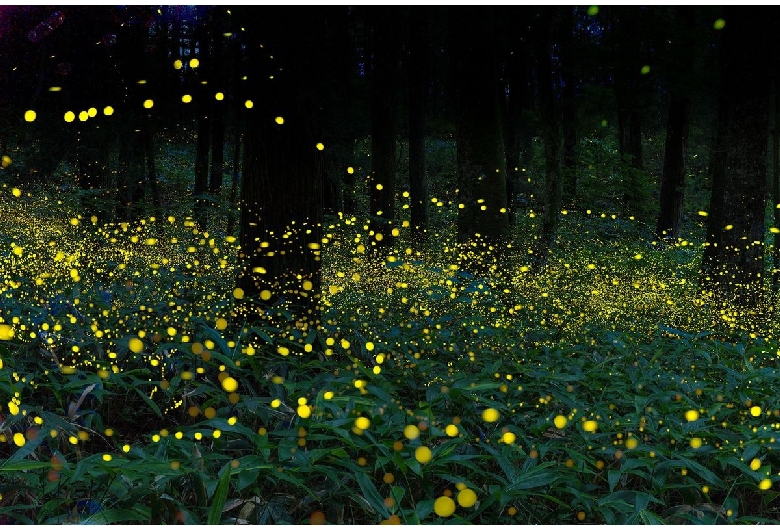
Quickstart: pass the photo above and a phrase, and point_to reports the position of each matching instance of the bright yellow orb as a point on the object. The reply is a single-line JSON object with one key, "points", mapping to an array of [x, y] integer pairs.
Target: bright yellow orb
{"points": [[490, 415], [467, 498], [692, 415], [363, 423], [30, 116], [560, 421], [135, 345], [423, 455], [444, 506], [69, 116], [229, 384], [411, 432]]}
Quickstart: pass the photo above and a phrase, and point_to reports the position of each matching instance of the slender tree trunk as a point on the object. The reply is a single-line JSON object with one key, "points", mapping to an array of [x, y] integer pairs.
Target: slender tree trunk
{"points": [[733, 260], [480, 148], [776, 193], [204, 128], [568, 105], [673, 179], [516, 131], [281, 197], [217, 85], [418, 71], [384, 106], [552, 140]]}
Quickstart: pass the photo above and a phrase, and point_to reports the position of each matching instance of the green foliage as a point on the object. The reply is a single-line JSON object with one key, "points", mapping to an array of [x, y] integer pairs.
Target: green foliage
{"points": [[132, 392]]}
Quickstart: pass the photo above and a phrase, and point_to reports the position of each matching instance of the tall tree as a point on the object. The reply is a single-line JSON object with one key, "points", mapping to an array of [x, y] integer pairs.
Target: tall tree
{"points": [[418, 87], [202, 36], [682, 48], [216, 95], [281, 193], [551, 133], [568, 98], [480, 148], [733, 261], [518, 102], [384, 116]]}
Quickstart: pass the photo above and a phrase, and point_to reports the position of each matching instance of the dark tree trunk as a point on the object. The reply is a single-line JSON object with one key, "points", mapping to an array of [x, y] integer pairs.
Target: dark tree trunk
{"points": [[733, 261], [516, 130], [418, 81], [202, 144], [281, 197], [217, 85], [568, 105], [673, 179], [552, 139], [384, 105], [480, 148], [776, 193]]}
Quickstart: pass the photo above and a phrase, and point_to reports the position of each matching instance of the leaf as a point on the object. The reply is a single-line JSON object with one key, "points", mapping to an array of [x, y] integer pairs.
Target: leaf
{"points": [[371, 494], [220, 496], [117, 515], [536, 477]]}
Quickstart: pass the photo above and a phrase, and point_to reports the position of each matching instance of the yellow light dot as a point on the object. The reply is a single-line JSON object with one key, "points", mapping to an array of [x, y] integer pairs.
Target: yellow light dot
{"points": [[423, 455], [265, 295], [279, 120], [6, 332], [304, 411], [362, 423], [221, 324], [695, 443], [30, 115], [238, 293], [692, 415], [177, 64], [411, 432], [92, 112], [148, 104], [69, 116], [135, 345], [719, 24], [108, 111], [248, 104], [590, 426], [451, 430], [765, 484], [107, 458], [5, 161], [508, 438], [275, 403], [444, 506], [467, 498], [755, 411], [490, 415], [186, 98], [194, 62], [229, 384], [560, 421], [219, 96], [755, 464], [320, 146], [19, 439], [645, 69]]}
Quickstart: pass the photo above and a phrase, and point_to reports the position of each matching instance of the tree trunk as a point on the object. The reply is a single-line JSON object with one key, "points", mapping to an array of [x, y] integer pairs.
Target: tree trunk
{"points": [[418, 81], [217, 85], [673, 179], [281, 193], [481, 165], [384, 105], [568, 105], [776, 193], [733, 261], [203, 141], [517, 133], [552, 140]]}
